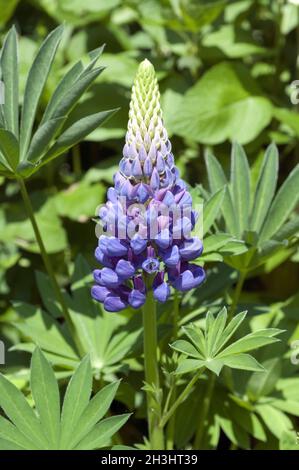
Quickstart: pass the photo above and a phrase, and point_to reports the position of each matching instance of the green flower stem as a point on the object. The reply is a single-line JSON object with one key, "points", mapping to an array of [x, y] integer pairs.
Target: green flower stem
{"points": [[180, 399], [49, 267], [171, 425], [150, 343], [237, 294], [205, 411], [227, 373]]}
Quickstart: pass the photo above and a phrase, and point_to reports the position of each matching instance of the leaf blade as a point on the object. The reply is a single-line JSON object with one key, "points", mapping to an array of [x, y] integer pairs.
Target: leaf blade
{"points": [[36, 81]]}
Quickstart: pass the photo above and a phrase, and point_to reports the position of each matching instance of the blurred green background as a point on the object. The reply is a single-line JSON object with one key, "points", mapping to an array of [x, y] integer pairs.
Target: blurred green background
{"points": [[225, 70]]}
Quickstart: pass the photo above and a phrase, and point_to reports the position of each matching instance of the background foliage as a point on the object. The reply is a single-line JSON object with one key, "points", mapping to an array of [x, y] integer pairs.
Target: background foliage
{"points": [[225, 70]]}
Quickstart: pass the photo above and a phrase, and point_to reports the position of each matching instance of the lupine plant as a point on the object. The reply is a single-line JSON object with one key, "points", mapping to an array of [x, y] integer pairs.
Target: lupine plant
{"points": [[181, 332]]}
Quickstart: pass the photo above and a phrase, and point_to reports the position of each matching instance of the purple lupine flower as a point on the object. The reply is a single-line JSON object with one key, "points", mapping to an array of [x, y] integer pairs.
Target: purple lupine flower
{"points": [[147, 221]]}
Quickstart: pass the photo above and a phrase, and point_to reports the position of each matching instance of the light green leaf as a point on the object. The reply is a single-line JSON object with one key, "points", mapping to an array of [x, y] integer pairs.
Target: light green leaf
{"points": [[248, 343], [188, 365], [9, 445], [196, 336], [19, 412], [75, 401], [234, 432], [45, 393], [95, 410], [276, 421], [212, 110], [186, 348], [9, 147], [43, 330], [243, 362], [12, 434], [230, 330], [214, 365], [100, 435], [240, 179], [265, 188], [288, 441], [282, 206], [262, 384], [234, 42], [211, 209], [217, 180], [218, 328]]}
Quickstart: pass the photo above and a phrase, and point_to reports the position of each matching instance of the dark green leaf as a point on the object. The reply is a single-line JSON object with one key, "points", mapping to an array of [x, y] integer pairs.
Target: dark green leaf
{"points": [[36, 81], [10, 77]]}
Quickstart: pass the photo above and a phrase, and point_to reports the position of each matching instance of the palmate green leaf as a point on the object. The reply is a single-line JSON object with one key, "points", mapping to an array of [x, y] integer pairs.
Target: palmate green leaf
{"points": [[9, 147], [78, 426], [72, 95], [77, 132], [61, 90], [234, 432], [196, 336], [288, 230], [262, 384], [9, 445], [69, 94], [185, 347], [10, 76], [94, 57], [217, 329], [212, 208], [95, 410], [222, 244], [11, 433], [46, 292], [36, 81], [248, 420], [240, 179], [206, 347], [46, 397], [288, 406], [19, 412], [247, 343], [242, 361], [276, 421], [106, 338], [228, 332], [189, 365], [42, 138], [75, 401], [44, 331], [266, 186], [288, 441], [282, 206], [218, 180], [100, 435]]}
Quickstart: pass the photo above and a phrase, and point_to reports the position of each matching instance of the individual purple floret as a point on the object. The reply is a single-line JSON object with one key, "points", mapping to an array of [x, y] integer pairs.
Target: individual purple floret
{"points": [[147, 221]]}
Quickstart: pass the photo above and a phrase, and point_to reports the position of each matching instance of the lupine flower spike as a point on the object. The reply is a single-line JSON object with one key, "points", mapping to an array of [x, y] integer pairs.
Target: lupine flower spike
{"points": [[146, 240]]}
